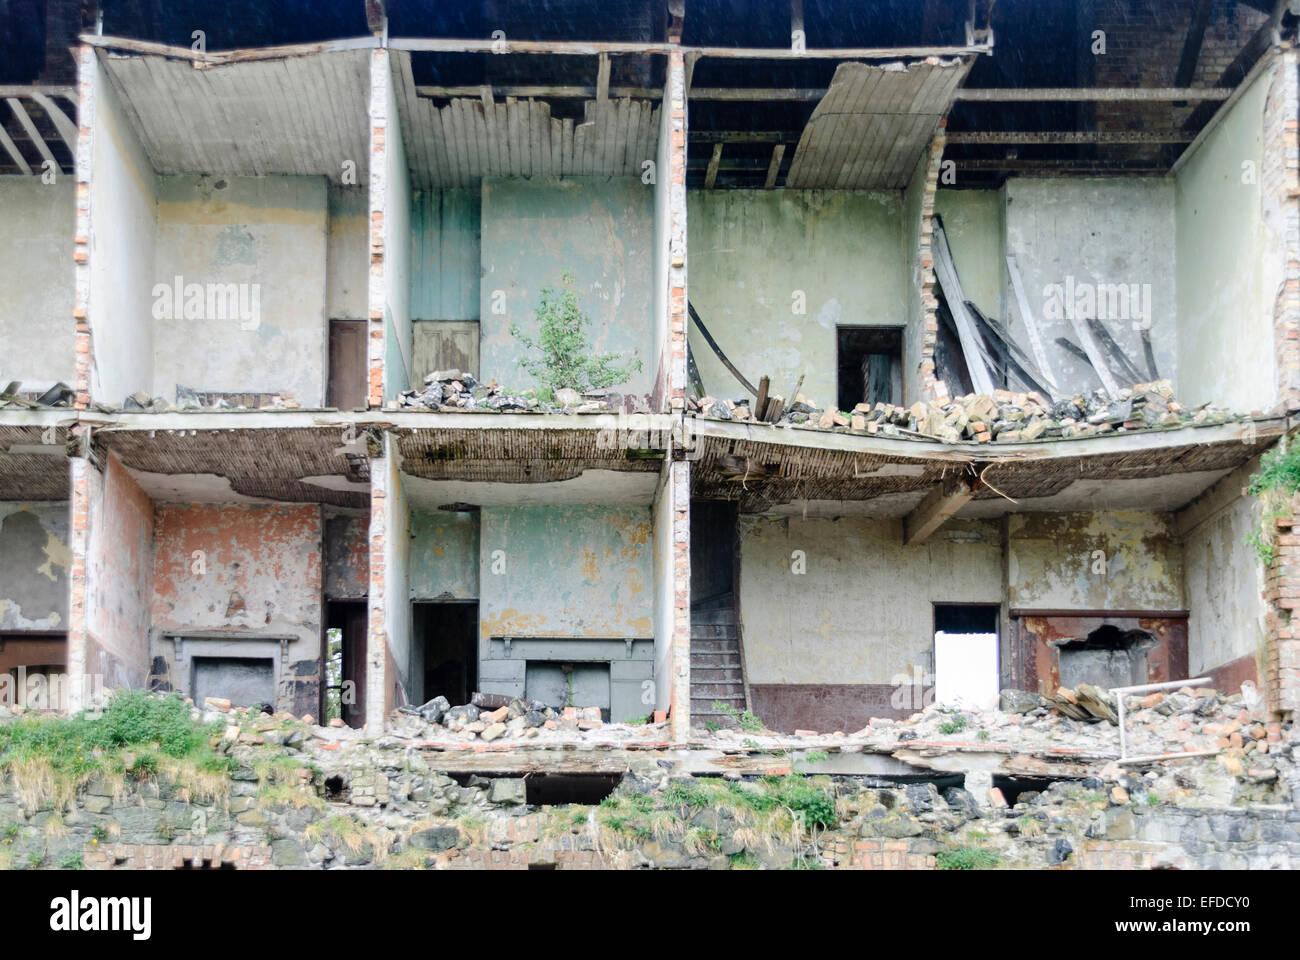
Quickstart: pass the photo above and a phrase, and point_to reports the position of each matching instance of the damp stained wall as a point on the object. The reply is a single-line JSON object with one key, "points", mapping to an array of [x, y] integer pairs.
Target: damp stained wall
{"points": [[346, 253], [445, 243], [753, 252], [1227, 622], [914, 334], [973, 222], [34, 561], [396, 187], [37, 222], [119, 577], [397, 574], [267, 235], [861, 613], [1112, 560], [580, 571], [444, 556], [347, 556], [261, 572], [122, 214], [1229, 265], [658, 362], [664, 596], [1096, 232], [602, 231]]}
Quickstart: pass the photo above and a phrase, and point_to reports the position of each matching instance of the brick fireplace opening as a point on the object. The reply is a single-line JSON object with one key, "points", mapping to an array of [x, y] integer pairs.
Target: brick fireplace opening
{"points": [[1063, 648], [1107, 657]]}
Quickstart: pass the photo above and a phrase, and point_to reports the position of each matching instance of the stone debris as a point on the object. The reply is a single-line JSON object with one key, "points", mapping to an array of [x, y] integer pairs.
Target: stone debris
{"points": [[458, 391], [12, 397], [1003, 417], [492, 717], [190, 399]]}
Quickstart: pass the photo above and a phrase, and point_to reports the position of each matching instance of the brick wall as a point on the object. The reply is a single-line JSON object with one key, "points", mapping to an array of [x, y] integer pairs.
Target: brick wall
{"points": [[1280, 196], [1282, 594], [932, 388], [144, 856]]}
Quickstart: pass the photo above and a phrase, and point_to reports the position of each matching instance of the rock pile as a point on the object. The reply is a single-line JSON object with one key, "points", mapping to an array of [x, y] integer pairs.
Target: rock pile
{"points": [[491, 717], [457, 390], [1004, 416]]}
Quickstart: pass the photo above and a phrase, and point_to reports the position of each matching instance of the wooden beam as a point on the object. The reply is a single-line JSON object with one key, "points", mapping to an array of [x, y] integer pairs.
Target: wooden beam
{"points": [[148, 47], [12, 149], [972, 349], [1220, 496], [1092, 94], [602, 79], [712, 174], [1068, 136], [67, 129], [30, 90], [1236, 72], [25, 121], [939, 505], [1095, 356], [1031, 325], [1192, 44], [621, 48], [796, 20], [1262, 64], [559, 91], [774, 167]]}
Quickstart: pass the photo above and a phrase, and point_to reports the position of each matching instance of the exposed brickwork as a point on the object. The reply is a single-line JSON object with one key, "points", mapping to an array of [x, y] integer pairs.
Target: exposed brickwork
{"points": [[932, 388], [1282, 594], [81, 242], [377, 660], [84, 482], [1280, 196], [144, 856], [379, 113]]}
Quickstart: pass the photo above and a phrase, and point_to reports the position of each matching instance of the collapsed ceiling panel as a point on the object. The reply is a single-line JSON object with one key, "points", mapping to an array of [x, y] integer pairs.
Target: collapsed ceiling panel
{"points": [[465, 139], [867, 132], [304, 115]]}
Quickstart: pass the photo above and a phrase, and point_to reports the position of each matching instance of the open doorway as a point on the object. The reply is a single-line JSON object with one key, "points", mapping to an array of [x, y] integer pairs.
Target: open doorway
{"points": [[32, 668], [346, 624], [869, 365], [445, 654], [966, 655]]}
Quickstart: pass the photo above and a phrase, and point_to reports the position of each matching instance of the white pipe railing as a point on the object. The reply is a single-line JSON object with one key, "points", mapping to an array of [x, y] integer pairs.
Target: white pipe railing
{"points": [[1122, 692]]}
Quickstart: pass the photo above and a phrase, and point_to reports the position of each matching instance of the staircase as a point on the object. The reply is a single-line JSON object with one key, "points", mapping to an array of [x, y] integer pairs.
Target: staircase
{"points": [[715, 662]]}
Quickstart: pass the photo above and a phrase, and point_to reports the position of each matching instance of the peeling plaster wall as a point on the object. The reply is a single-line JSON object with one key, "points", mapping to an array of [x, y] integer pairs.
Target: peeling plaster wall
{"points": [[914, 334], [664, 565], [397, 560], [444, 559], [1117, 560], [1227, 627], [659, 359], [862, 612], [600, 230], [1230, 264], [751, 250], [346, 275], [263, 231], [445, 239], [1097, 231], [119, 573], [569, 572], [123, 209], [347, 557], [261, 577], [37, 221], [398, 347], [975, 224], [34, 562]]}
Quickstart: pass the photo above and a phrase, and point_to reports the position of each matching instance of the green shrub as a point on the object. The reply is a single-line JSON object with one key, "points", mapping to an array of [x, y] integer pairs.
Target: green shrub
{"points": [[966, 858]]}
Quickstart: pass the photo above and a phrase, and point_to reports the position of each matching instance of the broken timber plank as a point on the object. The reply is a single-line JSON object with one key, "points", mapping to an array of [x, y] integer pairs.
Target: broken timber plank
{"points": [[938, 506], [946, 272], [1031, 325], [20, 112], [1094, 356], [1125, 364], [711, 174], [774, 168], [713, 344], [760, 402]]}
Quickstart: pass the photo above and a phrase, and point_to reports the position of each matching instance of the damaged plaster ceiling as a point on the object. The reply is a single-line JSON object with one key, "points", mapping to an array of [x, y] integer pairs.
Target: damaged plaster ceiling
{"points": [[874, 122], [590, 488], [457, 143], [31, 467], [305, 115]]}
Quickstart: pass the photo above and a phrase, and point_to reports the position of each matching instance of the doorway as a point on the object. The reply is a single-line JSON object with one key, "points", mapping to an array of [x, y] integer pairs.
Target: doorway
{"points": [[445, 653], [967, 668], [346, 625], [869, 365]]}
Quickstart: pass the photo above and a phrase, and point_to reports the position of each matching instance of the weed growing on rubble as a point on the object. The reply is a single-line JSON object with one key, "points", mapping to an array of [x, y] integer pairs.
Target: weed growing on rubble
{"points": [[567, 359], [966, 858], [743, 718], [1276, 483], [137, 735], [954, 725]]}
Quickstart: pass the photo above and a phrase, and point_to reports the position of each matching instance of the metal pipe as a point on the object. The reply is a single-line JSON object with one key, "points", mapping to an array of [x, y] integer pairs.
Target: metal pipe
{"points": [[1121, 692]]}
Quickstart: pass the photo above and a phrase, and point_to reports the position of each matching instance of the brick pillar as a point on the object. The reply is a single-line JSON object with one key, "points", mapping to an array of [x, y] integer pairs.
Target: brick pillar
{"points": [[1280, 194], [376, 633], [679, 489], [1282, 593], [931, 386], [380, 107], [86, 66], [85, 487]]}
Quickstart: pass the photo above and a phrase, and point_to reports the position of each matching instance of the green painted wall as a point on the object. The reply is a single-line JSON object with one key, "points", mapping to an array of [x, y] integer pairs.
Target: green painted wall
{"points": [[751, 250], [974, 223], [1229, 265], [445, 262], [600, 230], [444, 555]]}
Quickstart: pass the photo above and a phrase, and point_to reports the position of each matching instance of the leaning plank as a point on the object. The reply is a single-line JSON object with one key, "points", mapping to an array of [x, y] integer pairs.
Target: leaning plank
{"points": [[1031, 325], [1106, 340], [67, 129], [21, 113], [1095, 357], [713, 344], [946, 272], [12, 149]]}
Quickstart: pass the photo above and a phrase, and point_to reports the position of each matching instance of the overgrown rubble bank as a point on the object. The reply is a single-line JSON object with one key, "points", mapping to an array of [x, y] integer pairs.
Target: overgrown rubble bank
{"points": [[155, 782]]}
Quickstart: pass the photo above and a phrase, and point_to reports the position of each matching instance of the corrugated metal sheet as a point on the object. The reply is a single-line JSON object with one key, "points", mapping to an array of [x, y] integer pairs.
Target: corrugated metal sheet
{"points": [[873, 123], [456, 145], [300, 115]]}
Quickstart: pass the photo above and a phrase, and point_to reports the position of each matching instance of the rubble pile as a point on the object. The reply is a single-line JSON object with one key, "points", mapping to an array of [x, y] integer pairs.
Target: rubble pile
{"points": [[490, 716], [456, 390], [188, 399], [1004, 417], [59, 395]]}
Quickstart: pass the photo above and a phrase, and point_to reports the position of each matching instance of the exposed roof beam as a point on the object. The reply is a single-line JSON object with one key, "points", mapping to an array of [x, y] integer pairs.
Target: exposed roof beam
{"points": [[712, 174], [602, 79], [774, 168], [214, 57], [30, 90], [1226, 492], [1237, 71], [1260, 66], [12, 149], [744, 136], [939, 505], [1192, 45], [1098, 94], [33, 134], [1067, 136], [67, 129], [559, 91], [584, 48]]}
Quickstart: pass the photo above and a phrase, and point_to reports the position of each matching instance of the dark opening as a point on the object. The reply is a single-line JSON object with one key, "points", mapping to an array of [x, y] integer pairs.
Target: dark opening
{"points": [[205, 865], [32, 667], [336, 788], [1107, 657], [966, 618], [1013, 787], [347, 622], [869, 365], [243, 681], [446, 650], [713, 549], [347, 365], [554, 789]]}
